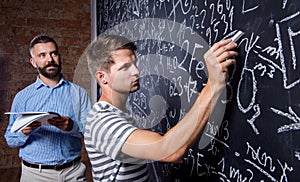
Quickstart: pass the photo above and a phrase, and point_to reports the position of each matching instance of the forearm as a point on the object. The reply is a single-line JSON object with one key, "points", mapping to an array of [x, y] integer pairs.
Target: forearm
{"points": [[15, 139], [188, 130], [172, 146], [177, 140]]}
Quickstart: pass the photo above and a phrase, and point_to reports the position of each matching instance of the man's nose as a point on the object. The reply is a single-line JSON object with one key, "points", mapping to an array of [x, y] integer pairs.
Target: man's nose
{"points": [[50, 58], [136, 70]]}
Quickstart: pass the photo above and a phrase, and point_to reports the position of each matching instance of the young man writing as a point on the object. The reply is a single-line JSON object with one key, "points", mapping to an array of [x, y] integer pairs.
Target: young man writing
{"points": [[113, 142]]}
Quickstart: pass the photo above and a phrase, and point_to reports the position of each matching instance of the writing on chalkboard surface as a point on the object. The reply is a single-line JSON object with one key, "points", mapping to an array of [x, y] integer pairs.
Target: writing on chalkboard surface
{"points": [[258, 136]]}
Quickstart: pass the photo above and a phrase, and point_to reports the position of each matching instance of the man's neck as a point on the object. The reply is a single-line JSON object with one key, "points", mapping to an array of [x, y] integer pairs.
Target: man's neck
{"points": [[51, 82], [118, 100]]}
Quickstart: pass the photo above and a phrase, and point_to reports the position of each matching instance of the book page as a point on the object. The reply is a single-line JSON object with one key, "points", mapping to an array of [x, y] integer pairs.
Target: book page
{"points": [[26, 118]]}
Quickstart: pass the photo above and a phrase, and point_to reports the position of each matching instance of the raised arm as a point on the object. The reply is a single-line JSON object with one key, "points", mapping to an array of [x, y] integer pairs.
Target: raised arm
{"points": [[173, 145]]}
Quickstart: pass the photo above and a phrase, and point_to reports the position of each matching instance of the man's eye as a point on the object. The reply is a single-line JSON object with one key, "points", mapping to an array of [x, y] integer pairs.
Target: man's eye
{"points": [[125, 67], [54, 54], [42, 55]]}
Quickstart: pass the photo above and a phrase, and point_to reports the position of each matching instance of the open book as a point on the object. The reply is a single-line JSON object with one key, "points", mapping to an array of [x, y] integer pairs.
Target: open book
{"points": [[26, 118]]}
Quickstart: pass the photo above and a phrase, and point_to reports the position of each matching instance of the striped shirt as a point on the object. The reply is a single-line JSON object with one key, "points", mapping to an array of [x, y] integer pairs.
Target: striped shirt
{"points": [[48, 145], [106, 131]]}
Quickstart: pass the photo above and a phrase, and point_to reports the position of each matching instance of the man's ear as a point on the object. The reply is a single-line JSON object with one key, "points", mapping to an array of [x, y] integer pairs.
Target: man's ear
{"points": [[33, 63], [101, 77]]}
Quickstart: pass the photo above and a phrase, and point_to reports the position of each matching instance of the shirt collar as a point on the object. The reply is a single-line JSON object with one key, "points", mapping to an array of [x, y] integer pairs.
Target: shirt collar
{"points": [[39, 83]]}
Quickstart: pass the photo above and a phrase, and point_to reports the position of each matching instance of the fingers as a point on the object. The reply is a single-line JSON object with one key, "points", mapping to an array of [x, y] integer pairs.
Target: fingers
{"points": [[228, 62], [218, 58], [57, 121], [219, 44], [64, 123], [28, 129], [222, 50]]}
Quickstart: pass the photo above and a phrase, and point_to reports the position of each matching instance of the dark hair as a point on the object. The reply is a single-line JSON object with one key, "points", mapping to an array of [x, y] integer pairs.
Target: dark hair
{"points": [[99, 52], [41, 39]]}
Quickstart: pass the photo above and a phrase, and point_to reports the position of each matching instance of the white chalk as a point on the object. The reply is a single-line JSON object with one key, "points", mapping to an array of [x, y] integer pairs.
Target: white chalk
{"points": [[237, 36]]}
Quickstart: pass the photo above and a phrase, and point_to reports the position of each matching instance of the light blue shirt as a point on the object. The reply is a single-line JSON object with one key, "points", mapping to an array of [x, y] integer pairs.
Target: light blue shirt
{"points": [[48, 145]]}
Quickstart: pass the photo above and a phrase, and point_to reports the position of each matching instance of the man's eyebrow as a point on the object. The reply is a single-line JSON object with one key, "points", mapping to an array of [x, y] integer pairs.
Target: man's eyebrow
{"points": [[124, 65], [54, 51]]}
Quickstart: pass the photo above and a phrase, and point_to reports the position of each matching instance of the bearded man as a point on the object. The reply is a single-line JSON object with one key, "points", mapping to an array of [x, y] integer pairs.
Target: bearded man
{"points": [[50, 152]]}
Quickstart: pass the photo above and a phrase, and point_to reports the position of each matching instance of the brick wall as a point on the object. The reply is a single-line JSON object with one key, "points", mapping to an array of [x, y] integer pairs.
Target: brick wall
{"points": [[67, 21]]}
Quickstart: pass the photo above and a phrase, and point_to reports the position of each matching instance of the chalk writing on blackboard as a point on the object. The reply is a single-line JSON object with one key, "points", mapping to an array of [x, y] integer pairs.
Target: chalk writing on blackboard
{"points": [[256, 140]]}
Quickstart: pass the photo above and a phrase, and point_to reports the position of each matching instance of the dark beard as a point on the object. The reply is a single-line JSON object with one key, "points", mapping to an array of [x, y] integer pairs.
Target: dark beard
{"points": [[50, 74]]}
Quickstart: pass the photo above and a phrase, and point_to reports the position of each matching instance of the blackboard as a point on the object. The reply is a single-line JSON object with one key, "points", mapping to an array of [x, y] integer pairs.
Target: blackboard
{"points": [[254, 134]]}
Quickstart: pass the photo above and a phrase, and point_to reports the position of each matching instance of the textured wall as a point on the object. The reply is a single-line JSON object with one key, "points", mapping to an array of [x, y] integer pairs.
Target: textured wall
{"points": [[68, 22]]}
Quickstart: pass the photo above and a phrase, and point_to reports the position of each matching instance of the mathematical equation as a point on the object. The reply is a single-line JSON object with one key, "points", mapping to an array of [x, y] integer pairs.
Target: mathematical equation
{"points": [[172, 37]]}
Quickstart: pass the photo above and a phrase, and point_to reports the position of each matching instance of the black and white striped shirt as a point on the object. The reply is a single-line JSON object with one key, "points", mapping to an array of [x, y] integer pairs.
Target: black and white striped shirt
{"points": [[106, 131]]}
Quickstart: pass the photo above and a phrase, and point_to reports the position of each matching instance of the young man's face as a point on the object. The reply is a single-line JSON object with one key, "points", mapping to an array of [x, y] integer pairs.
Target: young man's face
{"points": [[46, 59], [124, 74]]}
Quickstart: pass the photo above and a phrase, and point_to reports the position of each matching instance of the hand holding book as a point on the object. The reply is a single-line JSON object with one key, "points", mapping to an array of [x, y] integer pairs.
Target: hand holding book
{"points": [[27, 118], [29, 128], [64, 123]]}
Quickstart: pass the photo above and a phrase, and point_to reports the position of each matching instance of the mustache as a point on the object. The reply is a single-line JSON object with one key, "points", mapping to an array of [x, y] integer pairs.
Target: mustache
{"points": [[51, 64]]}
